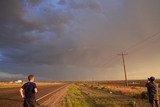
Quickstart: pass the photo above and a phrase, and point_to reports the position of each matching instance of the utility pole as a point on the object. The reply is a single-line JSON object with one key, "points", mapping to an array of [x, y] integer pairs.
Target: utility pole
{"points": [[124, 66]]}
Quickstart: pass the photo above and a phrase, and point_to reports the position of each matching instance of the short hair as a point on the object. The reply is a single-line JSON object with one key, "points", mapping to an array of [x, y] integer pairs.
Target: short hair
{"points": [[30, 77]]}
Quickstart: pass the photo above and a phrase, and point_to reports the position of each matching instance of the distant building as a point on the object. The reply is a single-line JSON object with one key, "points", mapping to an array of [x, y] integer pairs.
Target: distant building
{"points": [[18, 81], [11, 82], [135, 83]]}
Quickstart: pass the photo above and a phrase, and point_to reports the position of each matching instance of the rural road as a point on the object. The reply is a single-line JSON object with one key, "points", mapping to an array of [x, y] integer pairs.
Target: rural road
{"points": [[54, 100], [10, 97]]}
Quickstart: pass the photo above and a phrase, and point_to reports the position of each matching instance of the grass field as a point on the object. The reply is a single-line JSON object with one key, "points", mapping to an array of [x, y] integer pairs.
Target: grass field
{"points": [[105, 95], [18, 85], [75, 98]]}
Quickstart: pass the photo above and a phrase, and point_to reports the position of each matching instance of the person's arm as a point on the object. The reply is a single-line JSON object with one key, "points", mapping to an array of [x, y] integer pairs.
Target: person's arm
{"points": [[22, 92], [35, 90], [146, 84]]}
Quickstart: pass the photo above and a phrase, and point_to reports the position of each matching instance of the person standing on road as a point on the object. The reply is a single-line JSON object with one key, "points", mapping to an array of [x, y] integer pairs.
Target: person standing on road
{"points": [[152, 88], [28, 91]]}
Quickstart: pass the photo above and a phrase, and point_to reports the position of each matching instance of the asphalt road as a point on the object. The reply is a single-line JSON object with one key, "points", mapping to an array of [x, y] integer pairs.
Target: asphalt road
{"points": [[10, 97]]}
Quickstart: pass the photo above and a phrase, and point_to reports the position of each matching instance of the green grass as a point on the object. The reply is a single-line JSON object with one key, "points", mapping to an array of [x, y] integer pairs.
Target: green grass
{"points": [[75, 98]]}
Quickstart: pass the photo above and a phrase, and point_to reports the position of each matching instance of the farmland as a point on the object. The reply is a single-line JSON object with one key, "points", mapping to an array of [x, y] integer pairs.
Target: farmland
{"points": [[97, 94], [18, 85], [81, 94]]}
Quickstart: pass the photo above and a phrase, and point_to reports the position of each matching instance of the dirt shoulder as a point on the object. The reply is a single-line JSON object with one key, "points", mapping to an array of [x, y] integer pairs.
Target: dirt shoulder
{"points": [[55, 99]]}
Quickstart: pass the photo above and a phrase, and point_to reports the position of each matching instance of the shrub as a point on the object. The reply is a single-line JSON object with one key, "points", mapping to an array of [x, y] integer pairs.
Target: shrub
{"points": [[102, 88], [144, 95], [132, 103]]}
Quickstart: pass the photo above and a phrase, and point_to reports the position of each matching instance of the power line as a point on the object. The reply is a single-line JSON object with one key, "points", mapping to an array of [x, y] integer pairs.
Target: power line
{"points": [[134, 46], [142, 42], [143, 47], [108, 63], [109, 60], [128, 49]]}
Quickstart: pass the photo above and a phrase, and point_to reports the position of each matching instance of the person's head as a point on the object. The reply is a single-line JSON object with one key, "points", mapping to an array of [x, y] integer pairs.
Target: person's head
{"points": [[31, 78], [151, 79]]}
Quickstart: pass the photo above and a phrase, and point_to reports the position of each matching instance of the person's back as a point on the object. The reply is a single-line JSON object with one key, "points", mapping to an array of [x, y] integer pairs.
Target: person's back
{"points": [[152, 88], [28, 91]]}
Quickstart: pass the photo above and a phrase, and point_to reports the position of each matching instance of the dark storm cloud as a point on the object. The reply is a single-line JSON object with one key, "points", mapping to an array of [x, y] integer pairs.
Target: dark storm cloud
{"points": [[8, 9], [32, 32], [60, 38]]}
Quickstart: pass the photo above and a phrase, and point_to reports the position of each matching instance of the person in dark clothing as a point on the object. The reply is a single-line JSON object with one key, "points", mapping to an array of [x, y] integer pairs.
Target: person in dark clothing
{"points": [[152, 88], [28, 91]]}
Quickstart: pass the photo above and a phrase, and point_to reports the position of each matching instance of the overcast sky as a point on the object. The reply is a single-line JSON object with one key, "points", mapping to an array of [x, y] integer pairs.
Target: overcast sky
{"points": [[78, 39]]}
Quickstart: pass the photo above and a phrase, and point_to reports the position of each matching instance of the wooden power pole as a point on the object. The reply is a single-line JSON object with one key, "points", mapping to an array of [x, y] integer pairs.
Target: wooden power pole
{"points": [[124, 66]]}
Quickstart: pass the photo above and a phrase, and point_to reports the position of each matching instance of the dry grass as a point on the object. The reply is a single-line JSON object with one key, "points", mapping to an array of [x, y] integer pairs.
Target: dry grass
{"points": [[17, 85], [106, 99], [9, 85], [48, 83], [111, 94], [125, 90], [117, 89]]}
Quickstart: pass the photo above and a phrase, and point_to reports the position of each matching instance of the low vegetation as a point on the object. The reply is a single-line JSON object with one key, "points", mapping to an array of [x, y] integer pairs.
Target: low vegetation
{"points": [[93, 95], [18, 85], [134, 91], [10, 85], [75, 98]]}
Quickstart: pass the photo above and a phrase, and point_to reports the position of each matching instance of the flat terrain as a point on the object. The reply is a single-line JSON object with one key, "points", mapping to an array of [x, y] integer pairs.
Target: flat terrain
{"points": [[10, 97], [104, 95], [80, 94]]}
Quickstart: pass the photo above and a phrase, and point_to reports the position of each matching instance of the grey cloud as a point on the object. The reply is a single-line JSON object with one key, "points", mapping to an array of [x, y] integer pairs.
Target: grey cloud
{"points": [[65, 37], [87, 4], [34, 36], [10, 76]]}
